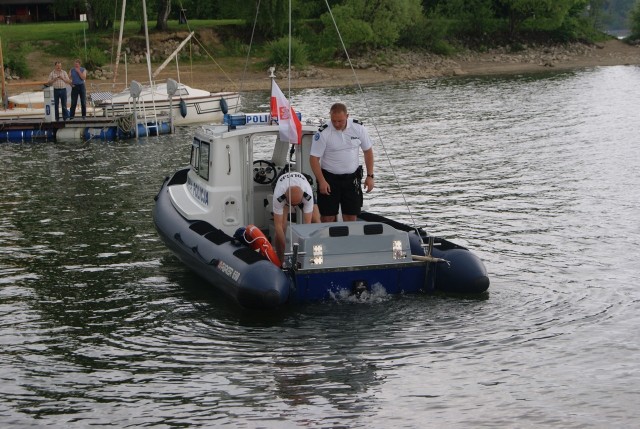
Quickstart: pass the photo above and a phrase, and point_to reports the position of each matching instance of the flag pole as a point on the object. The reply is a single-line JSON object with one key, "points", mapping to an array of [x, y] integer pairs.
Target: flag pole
{"points": [[272, 76]]}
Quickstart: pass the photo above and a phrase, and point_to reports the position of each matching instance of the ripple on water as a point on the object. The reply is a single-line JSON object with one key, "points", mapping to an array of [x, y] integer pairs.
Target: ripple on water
{"points": [[101, 326]]}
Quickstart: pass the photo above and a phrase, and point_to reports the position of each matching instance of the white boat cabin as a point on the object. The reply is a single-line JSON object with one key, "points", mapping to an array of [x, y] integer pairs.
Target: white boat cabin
{"points": [[230, 183]]}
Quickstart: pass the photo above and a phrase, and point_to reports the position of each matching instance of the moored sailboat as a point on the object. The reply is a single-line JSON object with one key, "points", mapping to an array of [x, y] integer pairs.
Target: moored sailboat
{"points": [[184, 104]]}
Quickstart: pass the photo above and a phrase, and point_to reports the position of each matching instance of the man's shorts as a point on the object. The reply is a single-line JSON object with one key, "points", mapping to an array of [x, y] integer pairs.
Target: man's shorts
{"points": [[346, 192]]}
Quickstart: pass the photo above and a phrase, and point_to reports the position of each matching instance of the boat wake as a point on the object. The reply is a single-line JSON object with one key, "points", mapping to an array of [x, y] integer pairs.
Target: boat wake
{"points": [[376, 295]]}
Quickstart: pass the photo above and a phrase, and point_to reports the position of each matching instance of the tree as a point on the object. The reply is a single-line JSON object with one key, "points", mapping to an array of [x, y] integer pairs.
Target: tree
{"points": [[68, 7], [517, 12], [164, 9], [596, 12], [377, 23], [273, 17], [474, 17], [618, 12], [99, 15], [634, 21]]}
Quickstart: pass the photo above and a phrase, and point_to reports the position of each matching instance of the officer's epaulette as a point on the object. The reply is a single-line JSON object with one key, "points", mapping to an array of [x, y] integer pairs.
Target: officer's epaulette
{"points": [[356, 121], [322, 127]]}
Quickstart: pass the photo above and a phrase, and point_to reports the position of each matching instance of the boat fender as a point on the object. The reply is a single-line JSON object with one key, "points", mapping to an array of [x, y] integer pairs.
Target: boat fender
{"points": [[183, 108], [259, 242], [224, 107]]}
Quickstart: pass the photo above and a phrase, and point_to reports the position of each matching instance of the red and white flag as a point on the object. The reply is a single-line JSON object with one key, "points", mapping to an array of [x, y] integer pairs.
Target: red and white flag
{"points": [[288, 122]]}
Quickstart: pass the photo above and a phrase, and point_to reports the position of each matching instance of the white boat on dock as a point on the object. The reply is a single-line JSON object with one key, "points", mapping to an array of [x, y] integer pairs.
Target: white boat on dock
{"points": [[186, 105]]}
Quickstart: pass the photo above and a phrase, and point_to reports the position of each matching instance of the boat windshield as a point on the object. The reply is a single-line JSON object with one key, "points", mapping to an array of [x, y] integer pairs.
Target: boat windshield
{"points": [[269, 147]]}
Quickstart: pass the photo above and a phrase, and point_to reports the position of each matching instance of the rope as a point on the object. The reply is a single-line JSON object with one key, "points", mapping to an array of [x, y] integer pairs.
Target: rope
{"points": [[113, 36], [430, 259], [125, 123], [366, 102], [207, 52], [253, 31]]}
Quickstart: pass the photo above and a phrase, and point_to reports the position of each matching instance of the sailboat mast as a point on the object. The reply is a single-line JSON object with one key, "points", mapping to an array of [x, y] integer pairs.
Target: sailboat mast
{"points": [[3, 94], [146, 36], [115, 70]]}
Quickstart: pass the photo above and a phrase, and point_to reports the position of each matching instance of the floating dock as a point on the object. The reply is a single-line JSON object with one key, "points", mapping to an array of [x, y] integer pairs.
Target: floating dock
{"points": [[92, 128]]}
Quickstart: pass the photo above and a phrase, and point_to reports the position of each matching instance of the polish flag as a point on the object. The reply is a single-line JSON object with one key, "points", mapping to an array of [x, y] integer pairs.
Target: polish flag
{"points": [[288, 122]]}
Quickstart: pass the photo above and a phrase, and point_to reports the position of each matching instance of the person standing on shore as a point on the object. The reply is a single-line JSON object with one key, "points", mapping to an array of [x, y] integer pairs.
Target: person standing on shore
{"points": [[335, 162], [78, 76], [59, 79]]}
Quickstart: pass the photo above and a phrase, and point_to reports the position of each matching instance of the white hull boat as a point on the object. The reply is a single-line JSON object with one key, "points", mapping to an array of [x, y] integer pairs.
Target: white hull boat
{"points": [[187, 106]]}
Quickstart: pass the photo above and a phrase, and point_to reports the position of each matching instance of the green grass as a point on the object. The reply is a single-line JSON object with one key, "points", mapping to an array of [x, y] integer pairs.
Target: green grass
{"points": [[62, 32], [57, 32], [66, 40]]}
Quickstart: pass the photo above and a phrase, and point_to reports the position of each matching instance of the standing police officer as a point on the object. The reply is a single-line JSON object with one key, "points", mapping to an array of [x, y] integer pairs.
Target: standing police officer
{"points": [[335, 163]]}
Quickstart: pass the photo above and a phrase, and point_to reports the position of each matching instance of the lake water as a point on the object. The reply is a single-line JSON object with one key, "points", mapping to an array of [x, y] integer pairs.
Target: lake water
{"points": [[538, 175]]}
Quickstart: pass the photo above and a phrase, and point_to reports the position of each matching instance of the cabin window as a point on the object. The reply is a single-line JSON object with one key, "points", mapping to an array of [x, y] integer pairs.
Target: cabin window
{"points": [[200, 152], [195, 152], [203, 162]]}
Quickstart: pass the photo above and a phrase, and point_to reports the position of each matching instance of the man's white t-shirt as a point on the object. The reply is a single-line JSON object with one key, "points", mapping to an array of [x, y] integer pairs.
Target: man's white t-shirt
{"points": [[339, 150], [284, 182]]}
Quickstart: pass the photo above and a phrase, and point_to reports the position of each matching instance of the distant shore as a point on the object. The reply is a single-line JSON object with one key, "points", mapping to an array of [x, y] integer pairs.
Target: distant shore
{"points": [[413, 66], [397, 67]]}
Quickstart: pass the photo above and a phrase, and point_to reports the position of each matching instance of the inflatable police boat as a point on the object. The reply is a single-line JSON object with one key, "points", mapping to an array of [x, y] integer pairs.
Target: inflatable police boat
{"points": [[215, 215]]}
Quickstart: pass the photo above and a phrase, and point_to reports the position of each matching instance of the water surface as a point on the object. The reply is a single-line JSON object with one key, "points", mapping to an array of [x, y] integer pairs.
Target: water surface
{"points": [[100, 325]]}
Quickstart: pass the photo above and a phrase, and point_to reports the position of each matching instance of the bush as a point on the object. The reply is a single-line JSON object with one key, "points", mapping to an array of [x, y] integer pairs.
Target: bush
{"points": [[94, 59], [442, 47], [634, 21], [429, 34], [18, 66], [235, 48], [17, 62], [278, 52], [576, 28]]}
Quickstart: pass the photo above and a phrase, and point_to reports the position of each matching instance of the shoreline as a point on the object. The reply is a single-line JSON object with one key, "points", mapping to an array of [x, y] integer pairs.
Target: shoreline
{"points": [[409, 66], [397, 66]]}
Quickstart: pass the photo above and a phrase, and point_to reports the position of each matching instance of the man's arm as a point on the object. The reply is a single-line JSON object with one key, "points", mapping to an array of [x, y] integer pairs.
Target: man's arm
{"points": [[323, 186], [368, 161], [278, 221], [308, 217], [65, 78]]}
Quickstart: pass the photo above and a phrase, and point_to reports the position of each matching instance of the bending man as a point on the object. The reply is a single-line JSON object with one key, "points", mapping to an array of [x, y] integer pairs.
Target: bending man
{"points": [[335, 163], [291, 190]]}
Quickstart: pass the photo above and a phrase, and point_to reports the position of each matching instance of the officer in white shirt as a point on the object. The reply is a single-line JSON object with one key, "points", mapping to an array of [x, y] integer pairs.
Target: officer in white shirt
{"points": [[292, 189], [334, 160]]}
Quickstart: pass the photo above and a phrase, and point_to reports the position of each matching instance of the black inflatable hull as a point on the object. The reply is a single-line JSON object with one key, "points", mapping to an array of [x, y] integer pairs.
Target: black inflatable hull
{"points": [[255, 283], [229, 265], [463, 273]]}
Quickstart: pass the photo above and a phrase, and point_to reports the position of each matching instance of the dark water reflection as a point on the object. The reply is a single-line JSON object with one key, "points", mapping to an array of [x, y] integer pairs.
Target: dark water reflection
{"points": [[100, 325]]}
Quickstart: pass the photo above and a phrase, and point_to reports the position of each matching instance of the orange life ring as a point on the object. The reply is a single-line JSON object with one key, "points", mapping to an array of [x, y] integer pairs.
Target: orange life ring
{"points": [[259, 242]]}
